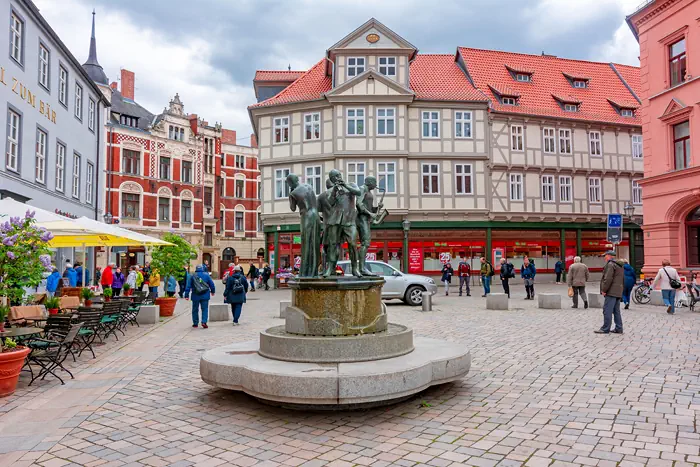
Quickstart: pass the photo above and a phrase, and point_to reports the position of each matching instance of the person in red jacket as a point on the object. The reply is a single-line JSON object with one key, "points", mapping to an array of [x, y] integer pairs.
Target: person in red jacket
{"points": [[107, 276]]}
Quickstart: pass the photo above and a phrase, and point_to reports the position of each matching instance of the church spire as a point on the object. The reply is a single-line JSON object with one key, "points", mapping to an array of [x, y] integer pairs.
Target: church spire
{"points": [[92, 66]]}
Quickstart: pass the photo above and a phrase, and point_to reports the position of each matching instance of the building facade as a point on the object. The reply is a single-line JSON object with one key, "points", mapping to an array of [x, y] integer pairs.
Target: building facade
{"points": [[52, 118], [669, 40], [477, 153]]}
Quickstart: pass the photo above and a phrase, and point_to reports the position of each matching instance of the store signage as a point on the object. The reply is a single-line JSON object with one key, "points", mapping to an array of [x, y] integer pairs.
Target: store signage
{"points": [[28, 96], [415, 259], [445, 257], [297, 262], [614, 228], [371, 256], [297, 240]]}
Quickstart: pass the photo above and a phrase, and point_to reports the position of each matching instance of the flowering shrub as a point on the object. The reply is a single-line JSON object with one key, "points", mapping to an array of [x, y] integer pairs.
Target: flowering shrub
{"points": [[24, 256]]}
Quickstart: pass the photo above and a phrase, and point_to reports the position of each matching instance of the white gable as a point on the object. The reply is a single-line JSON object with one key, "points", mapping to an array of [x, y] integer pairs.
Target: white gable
{"points": [[361, 42]]}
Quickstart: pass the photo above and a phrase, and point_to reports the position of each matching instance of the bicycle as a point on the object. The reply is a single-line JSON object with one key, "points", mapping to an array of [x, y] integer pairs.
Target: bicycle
{"points": [[642, 292]]}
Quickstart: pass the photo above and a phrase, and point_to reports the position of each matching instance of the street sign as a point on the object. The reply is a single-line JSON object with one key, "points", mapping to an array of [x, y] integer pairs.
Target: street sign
{"points": [[615, 228]]}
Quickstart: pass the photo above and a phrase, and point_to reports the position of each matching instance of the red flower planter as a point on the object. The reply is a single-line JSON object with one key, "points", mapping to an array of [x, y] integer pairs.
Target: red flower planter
{"points": [[53, 311], [11, 364], [166, 305]]}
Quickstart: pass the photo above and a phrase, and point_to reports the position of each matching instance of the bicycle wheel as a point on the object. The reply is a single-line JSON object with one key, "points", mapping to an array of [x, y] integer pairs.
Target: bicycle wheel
{"points": [[642, 295]]}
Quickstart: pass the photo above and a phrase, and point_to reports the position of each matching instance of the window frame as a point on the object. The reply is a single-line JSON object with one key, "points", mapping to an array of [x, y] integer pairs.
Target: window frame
{"points": [[314, 178], [281, 183], [63, 85], [161, 164], [575, 83], [89, 182], [280, 128], [186, 219], [570, 107], [239, 161], [40, 158], [461, 122], [355, 67], [92, 110], [627, 113], [313, 123], [387, 66], [568, 139], [517, 137], [686, 146], [16, 141], [75, 179], [130, 159], [508, 100], [637, 146], [236, 186], [677, 60], [552, 139], [595, 143], [353, 176], [567, 188], [78, 102], [208, 198], [161, 205], [516, 180], [41, 64], [430, 174], [433, 118], [547, 185], [526, 78], [594, 188], [236, 219], [637, 193], [386, 118], [60, 167], [17, 35], [190, 171], [386, 173], [125, 202], [355, 119], [463, 176]]}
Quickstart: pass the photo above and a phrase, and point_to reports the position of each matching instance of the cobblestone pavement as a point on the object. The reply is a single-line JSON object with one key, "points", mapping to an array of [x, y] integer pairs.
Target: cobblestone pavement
{"points": [[543, 390]]}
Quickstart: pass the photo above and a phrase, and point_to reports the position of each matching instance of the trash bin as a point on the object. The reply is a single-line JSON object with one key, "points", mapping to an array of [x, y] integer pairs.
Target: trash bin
{"points": [[427, 301]]}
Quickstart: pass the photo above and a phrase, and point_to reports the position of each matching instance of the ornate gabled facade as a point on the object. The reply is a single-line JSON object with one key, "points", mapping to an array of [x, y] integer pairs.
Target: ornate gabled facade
{"points": [[484, 153]]}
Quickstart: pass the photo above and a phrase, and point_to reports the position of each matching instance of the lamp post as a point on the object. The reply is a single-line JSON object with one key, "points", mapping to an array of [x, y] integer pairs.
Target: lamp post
{"points": [[629, 213], [406, 225], [108, 218], [629, 210]]}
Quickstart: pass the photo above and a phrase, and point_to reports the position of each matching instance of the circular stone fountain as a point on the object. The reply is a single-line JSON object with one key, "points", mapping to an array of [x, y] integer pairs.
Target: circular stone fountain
{"points": [[336, 350]]}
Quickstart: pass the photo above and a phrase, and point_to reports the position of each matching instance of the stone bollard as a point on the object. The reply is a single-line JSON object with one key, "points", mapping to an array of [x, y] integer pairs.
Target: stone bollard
{"points": [[549, 301], [148, 314], [595, 300], [283, 308], [427, 303], [657, 298], [497, 301], [220, 312]]}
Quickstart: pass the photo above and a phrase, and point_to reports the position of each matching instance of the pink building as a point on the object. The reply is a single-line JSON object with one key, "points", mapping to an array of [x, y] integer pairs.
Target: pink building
{"points": [[668, 32]]}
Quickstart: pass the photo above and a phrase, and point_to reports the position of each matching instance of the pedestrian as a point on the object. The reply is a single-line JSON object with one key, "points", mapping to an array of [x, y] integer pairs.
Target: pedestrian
{"points": [[668, 281], [153, 284], [107, 276], [267, 272], [52, 282], [235, 293], [630, 280], [139, 277], [611, 286], [170, 286], [558, 270], [118, 282], [446, 279], [228, 273], [487, 272], [465, 271], [200, 288], [98, 275], [576, 279], [507, 273], [131, 279], [79, 272], [71, 275], [528, 273], [253, 275], [182, 283], [146, 276]]}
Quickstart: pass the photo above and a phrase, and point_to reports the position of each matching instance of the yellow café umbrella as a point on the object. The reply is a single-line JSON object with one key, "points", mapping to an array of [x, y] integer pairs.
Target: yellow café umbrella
{"points": [[134, 238]]}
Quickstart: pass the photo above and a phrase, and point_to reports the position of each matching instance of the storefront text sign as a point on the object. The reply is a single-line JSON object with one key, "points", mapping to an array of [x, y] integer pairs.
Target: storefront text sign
{"points": [[28, 96], [415, 259]]}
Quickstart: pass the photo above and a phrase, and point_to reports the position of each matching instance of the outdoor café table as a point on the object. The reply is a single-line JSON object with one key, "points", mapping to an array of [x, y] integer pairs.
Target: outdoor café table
{"points": [[20, 332]]}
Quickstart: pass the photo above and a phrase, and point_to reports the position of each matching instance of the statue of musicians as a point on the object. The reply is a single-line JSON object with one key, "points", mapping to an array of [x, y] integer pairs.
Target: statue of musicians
{"points": [[303, 196], [366, 213], [340, 226]]}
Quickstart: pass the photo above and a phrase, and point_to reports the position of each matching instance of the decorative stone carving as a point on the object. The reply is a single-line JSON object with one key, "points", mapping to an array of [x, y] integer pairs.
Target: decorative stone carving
{"points": [[130, 187]]}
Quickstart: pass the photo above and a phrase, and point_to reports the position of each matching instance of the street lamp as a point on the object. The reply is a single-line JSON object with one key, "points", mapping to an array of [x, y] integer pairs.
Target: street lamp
{"points": [[629, 210], [108, 218], [406, 225]]}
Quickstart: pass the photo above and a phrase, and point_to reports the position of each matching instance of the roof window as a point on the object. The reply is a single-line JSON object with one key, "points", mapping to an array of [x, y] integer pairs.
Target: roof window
{"points": [[509, 100], [570, 107]]}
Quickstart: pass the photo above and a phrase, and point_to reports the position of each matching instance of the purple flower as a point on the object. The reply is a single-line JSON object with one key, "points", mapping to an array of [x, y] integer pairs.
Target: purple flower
{"points": [[5, 227], [11, 255], [29, 214], [46, 262], [16, 221], [8, 241], [46, 236]]}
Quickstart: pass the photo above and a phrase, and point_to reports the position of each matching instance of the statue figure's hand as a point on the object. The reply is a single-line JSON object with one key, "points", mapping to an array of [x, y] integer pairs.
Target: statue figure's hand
{"points": [[380, 206]]}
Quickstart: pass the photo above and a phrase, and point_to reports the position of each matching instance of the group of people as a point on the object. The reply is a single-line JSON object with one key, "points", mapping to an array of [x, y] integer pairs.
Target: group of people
{"points": [[137, 277], [486, 272]]}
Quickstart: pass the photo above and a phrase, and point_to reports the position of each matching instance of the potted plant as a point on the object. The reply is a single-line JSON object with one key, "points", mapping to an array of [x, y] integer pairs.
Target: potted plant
{"points": [[169, 260], [126, 289], [107, 294], [11, 362], [86, 294], [52, 304]]}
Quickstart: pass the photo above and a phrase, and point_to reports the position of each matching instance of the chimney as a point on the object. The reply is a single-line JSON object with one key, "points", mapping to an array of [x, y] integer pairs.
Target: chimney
{"points": [[253, 141], [113, 85], [128, 84]]}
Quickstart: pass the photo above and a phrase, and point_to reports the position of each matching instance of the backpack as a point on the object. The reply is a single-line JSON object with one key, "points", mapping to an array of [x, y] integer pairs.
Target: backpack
{"points": [[464, 269], [491, 271], [511, 270], [237, 286], [199, 286]]}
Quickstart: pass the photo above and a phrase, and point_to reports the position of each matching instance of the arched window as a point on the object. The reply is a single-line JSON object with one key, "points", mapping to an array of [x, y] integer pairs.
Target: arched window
{"points": [[261, 252], [228, 254], [692, 237]]}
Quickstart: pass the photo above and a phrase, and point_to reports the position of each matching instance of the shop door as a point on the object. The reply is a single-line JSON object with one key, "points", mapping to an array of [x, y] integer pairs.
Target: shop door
{"points": [[395, 284]]}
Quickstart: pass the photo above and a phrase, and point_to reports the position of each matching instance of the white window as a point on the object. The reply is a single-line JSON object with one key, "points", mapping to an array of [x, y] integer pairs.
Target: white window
{"points": [[239, 222], [594, 196], [548, 189], [14, 122], [431, 124], [594, 143], [386, 121], [76, 176], [570, 107], [240, 161], [431, 179], [89, 183], [386, 176], [313, 178], [387, 66], [550, 140], [356, 173], [516, 137], [636, 192], [525, 78], [463, 179], [78, 101], [356, 66], [63, 86], [565, 188], [60, 166], [312, 126], [16, 38], [91, 114], [579, 83], [281, 126], [508, 101], [516, 187], [281, 187], [463, 124], [637, 147], [44, 66], [356, 122], [565, 141], [239, 188], [40, 161], [627, 112]]}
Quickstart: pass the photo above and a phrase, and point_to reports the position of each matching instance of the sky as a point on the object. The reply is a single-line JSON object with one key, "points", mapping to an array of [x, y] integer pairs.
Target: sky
{"points": [[208, 50]]}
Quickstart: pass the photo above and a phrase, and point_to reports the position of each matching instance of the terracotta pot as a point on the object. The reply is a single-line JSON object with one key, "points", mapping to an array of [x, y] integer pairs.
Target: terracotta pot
{"points": [[167, 305], [88, 302], [108, 299], [53, 311], [10, 366], [2, 327]]}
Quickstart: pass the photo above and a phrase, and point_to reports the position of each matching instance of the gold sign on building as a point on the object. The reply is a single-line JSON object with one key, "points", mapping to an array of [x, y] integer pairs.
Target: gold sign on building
{"points": [[26, 95], [372, 38]]}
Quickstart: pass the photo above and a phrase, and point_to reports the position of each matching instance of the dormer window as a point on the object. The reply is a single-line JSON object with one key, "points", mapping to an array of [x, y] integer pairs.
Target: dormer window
{"points": [[509, 101], [627, 112], [522, 77], [520, 74], [127, 120], [176, 133], [579, 83], [387, 66], [570, 107], [356, 66], [576, 80]]}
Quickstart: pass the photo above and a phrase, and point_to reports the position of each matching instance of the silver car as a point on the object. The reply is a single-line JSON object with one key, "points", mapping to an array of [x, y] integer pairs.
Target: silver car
{"points": [[406, 287]]}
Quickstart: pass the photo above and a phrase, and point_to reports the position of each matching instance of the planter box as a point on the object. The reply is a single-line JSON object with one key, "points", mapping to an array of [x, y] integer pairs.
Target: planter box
{"points": [[220, 312], [148, 314]]}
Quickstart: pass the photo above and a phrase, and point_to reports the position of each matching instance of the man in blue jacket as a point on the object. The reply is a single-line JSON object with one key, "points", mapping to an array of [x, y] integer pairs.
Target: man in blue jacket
{"points": [[52, 282], [528, 272], [79, 271], [71, 275], [200, 299]]}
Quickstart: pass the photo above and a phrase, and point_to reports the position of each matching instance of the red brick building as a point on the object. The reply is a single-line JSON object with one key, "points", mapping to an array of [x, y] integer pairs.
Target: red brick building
{"points": [[175, 172]]}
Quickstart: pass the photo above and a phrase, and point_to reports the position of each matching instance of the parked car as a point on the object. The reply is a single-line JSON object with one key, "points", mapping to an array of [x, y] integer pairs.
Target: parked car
{"points": [[406, 287]]}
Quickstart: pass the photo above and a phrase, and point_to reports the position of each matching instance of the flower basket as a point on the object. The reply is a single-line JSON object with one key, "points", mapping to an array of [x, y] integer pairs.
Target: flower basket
{"points": [[52, 304]]}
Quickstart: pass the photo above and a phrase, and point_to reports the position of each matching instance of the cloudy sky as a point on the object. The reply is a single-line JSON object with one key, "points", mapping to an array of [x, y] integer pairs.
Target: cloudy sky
{"points": [[208, 50]]}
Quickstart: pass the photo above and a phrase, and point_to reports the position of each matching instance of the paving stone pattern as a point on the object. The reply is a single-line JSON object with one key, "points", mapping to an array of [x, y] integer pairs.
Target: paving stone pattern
{"points": [[543, 391]]}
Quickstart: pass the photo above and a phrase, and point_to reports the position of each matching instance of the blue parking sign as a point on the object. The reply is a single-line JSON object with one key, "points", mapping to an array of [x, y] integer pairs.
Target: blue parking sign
{"points": [[614, 228]]}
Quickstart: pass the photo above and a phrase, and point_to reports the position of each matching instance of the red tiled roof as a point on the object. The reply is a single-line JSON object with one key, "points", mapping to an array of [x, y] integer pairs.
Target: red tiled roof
{"points": [[566, 99], [630, 104], [487, 68], [504, 90], [277, 75], [439, 78], [576, 76], [309, 86], [519, 69], [633, 77]]}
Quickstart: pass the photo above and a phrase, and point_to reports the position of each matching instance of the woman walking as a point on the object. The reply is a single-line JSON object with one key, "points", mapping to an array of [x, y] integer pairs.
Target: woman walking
{"points": [[630, 280], [118, 280], [235, 293], [131, 280], [666, 278], [447, 273]]}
